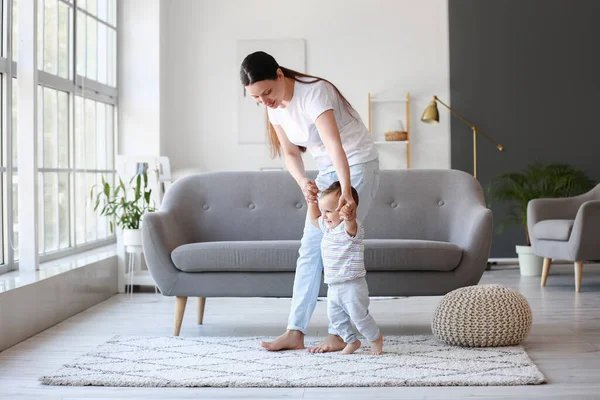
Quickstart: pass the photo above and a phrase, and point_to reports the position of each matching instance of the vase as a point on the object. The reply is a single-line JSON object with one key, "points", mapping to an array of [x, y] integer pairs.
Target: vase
{"points": [[529, 263]]}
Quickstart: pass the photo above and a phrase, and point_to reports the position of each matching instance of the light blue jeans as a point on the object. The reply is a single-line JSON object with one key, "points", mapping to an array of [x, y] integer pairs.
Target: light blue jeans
{"points": [[309, 268]]}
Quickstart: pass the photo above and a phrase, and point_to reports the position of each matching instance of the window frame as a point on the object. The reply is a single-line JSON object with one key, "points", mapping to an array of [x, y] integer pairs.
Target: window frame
{"points": [[7, 73], [75, 86]]}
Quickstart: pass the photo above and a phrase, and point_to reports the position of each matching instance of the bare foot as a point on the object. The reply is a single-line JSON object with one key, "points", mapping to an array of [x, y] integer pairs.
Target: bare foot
{"points": [[351, 347], [377, 346], [330, 343], [291, 340]]}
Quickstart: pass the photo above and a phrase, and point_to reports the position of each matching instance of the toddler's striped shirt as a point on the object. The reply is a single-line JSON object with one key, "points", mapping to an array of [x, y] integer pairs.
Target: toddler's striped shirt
{"points": [[343, 255]]}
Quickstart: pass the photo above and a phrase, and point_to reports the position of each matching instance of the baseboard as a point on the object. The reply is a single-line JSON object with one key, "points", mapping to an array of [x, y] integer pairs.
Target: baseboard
{"points": [[514, 260]]}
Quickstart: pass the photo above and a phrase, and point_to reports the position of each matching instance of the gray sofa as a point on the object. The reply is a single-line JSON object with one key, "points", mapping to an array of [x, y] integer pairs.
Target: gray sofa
{"points": [[566, 229], [237, 234]]}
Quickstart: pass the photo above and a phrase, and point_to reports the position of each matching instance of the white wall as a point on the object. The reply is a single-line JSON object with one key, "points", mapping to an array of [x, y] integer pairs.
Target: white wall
{"points": [[361, 46], [139, 77]]}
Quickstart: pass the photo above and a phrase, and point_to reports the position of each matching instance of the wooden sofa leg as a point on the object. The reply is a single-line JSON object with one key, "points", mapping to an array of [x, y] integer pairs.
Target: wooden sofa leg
{"points": [[578, 273], [179, 311], [201, 304], [547, 262]]}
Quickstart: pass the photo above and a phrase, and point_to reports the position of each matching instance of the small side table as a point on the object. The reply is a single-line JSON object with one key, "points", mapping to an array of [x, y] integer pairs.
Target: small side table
{"points": [[133, 251]]}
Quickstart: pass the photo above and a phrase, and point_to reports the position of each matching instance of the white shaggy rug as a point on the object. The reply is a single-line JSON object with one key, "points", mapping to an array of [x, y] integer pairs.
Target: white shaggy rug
{"points": [[240, 362]]}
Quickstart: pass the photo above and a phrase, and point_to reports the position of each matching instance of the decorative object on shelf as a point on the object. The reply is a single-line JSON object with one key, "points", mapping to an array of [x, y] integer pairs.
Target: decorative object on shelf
{"points": [[535, 182], [431, 115], [397, 133]]}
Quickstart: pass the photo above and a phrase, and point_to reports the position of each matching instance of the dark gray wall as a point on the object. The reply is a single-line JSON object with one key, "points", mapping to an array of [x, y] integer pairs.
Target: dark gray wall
{"points": [[527, 72]]}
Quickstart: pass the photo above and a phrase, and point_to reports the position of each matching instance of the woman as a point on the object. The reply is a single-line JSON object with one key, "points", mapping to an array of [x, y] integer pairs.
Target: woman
{"points": [[307, 112]]}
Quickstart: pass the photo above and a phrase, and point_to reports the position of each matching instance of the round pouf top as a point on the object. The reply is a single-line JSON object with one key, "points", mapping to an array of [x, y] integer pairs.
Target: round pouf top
{"points": [[482, 316]]}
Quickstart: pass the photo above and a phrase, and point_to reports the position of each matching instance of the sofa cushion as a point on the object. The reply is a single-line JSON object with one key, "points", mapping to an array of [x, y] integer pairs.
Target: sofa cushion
{"points": [[553, 229], [281, 256], [257, 256], [411, 255]]}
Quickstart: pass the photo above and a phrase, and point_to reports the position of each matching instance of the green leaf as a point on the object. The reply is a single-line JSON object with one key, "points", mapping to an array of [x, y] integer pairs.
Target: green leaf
{"points": [[138, 185]]}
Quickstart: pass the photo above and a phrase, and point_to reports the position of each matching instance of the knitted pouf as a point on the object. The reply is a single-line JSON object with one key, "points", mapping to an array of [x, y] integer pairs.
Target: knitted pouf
{"points": [[482, 316]]}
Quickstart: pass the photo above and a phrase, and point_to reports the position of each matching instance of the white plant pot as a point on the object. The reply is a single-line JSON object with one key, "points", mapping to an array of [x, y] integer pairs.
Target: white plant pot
{"points": [[529, 263], [132, 237]]}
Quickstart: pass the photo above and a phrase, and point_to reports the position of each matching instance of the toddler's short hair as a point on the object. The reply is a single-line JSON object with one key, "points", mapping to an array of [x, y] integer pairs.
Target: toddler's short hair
{"points": [[336, 188]]}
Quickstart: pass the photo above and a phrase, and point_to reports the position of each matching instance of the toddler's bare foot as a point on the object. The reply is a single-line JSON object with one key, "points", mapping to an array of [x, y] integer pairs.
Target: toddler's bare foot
{"points": [[351, 347], [291, 340], [377, 346], [330, 343]]}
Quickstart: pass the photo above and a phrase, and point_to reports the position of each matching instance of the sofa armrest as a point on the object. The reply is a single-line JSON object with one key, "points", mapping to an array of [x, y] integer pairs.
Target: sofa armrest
{"points": [[584, 243], [472, 231], [161, 234]]}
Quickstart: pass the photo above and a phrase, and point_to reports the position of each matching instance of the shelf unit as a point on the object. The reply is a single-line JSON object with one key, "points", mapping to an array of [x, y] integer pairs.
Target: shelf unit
{"points": [[406, 100]]}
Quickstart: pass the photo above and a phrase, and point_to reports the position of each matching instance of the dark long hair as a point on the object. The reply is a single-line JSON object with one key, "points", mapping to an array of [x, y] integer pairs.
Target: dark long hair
{"points": [[260, 66]]}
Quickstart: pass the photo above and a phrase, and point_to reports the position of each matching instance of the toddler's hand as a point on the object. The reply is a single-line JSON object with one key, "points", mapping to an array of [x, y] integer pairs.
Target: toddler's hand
{"points": [[346, 213]]}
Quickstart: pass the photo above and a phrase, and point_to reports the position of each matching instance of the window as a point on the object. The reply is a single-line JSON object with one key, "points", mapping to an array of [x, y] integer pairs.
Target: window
{"points": [[94, 150], [76, 119], [76, 133]]}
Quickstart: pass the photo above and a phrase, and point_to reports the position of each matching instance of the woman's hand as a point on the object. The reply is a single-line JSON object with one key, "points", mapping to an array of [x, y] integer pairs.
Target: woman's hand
{"points": [[309, 189], [347, 207]]}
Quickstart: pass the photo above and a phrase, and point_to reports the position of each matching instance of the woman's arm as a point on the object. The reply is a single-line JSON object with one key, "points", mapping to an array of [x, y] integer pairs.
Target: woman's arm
{"points": [[291, 154], [330, 135], [295, 165]]}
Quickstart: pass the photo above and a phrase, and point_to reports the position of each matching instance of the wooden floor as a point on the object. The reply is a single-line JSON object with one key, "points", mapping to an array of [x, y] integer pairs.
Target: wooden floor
{"points": [[564, 342]]}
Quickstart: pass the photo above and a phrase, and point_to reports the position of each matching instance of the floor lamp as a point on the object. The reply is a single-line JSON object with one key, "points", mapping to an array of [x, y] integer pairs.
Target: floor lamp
{"points": [[431, 115]]}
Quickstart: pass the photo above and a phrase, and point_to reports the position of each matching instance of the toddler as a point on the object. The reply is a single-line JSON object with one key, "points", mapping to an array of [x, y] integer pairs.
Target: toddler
{"points": [[342, 250]]}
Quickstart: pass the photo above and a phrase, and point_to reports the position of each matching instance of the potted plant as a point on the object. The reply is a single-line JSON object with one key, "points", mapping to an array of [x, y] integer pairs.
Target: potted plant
{"points": [[126, 204], [536, 181]]}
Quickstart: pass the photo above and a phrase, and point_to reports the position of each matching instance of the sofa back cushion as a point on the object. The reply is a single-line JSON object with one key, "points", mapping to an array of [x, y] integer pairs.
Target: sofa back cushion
{"points": [[269, 205]]}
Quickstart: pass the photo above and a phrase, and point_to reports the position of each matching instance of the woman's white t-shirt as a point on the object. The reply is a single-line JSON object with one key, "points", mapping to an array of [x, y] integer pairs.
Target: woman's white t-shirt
{"points": [[309, 101]]}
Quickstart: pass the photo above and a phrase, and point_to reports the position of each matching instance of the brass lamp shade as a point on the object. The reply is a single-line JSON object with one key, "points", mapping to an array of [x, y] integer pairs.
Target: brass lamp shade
{"points": [[431, 114]]}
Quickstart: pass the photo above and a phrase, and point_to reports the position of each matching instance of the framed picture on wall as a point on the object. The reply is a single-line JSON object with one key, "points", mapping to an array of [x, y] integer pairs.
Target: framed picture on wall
{"points": [[251, 116]]}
